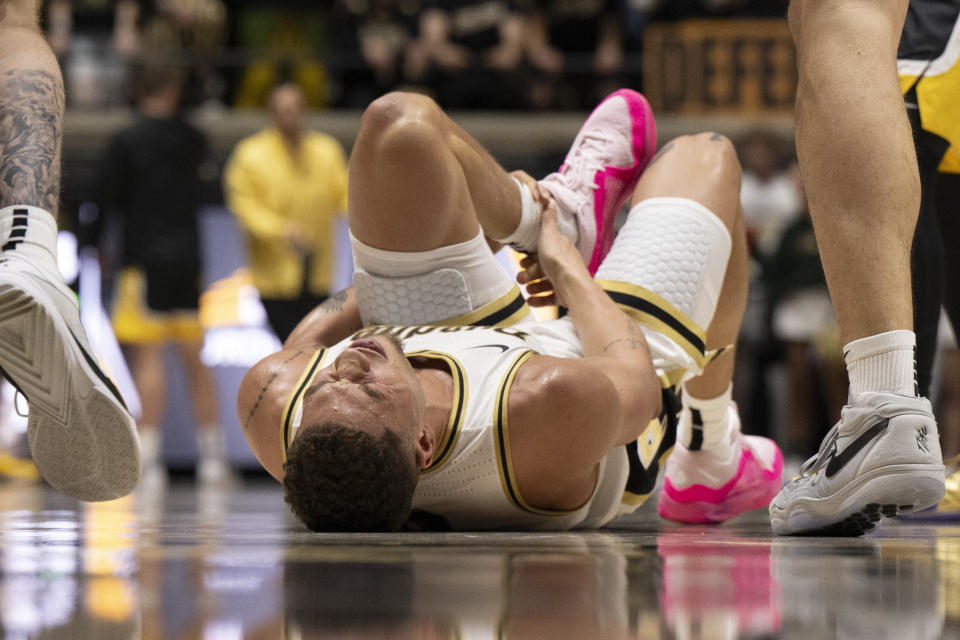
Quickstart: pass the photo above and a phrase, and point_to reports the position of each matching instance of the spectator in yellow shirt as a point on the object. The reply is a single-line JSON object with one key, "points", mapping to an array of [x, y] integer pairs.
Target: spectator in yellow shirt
{"points": [[286, 186]]}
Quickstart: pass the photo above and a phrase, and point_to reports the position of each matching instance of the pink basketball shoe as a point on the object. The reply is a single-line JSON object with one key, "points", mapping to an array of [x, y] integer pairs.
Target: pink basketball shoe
{"points": [[612, 149], [714, 486]]}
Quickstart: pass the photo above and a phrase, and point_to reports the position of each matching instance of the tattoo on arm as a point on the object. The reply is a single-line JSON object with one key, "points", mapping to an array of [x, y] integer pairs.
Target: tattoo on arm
{"points": [[263, 391], [334, 303], [634, 339], [31, 123], [663, 151]]}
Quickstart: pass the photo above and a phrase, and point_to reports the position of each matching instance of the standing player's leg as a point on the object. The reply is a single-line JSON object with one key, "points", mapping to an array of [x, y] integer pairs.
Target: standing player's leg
{"points": [[212, 464], [687, 223], [857, 159], [149, 369], [860, 173], [81, 436]]}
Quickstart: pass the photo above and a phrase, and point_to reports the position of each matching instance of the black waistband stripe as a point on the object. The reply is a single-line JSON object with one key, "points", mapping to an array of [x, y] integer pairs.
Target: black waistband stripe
{"points": [[505, 312], [650, 308]]}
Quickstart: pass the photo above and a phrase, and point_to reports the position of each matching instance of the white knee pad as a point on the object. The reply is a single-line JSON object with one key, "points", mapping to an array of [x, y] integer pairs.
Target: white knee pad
{"points": [[426, 287], [676, 248], [418, 299]]}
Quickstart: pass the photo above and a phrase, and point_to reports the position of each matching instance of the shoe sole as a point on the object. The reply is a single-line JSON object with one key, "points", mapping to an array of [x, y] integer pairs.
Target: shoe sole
{"points": [[643, 128], [885, 492], [81, 437]]}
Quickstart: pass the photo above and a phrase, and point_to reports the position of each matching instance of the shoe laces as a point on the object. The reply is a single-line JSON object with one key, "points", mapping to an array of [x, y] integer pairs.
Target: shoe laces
{"points": [[813, 464], [586, 158], [578, 169]]}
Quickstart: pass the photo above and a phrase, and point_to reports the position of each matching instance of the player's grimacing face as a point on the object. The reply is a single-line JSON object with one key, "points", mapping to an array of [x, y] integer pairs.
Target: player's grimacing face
{"points": [[369, 386]]}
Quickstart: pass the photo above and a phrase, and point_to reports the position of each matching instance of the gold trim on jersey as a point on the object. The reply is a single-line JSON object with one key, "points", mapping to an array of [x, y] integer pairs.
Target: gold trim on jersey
{"points": [[451, 433], [501, 434], [296, 397], [936, 83], [508, 309], [713, 354], [937, 95], [649, 309], [636, 500], [672, 378]]}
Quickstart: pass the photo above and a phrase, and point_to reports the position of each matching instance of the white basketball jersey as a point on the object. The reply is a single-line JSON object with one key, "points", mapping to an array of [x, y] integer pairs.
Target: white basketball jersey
{"points": [[471, 481]]}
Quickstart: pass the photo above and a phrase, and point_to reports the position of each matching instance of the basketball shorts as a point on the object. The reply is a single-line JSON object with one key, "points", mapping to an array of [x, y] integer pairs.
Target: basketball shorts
{"points": [[135, 321]]}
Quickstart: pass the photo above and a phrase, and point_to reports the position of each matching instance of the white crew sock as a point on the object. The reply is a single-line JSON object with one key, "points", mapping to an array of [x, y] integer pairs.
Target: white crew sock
{"points": [[882, 362], [25, 226], [526, 236], [704, 422]]}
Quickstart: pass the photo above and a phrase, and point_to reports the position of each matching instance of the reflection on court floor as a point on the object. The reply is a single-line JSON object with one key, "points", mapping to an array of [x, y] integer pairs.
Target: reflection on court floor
{"points": [[232, 564]]}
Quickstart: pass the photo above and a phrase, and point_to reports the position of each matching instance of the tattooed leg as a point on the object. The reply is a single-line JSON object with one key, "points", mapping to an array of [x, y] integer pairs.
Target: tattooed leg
{"points": [[81, 436], [31, 116], [31, 111]]}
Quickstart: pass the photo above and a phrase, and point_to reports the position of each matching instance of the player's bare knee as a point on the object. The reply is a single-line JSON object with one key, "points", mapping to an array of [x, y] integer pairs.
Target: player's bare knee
{"points": [[713, 158], [400, 127], [726, 157], [397, 108]]}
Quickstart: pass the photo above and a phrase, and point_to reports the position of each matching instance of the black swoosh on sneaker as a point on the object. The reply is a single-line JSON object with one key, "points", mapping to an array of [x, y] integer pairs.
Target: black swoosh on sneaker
{"points": [[98, 371], [839, 459]]}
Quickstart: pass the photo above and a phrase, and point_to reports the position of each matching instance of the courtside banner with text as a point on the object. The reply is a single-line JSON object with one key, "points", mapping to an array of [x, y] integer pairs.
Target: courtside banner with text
{"points": [[720, 66]]}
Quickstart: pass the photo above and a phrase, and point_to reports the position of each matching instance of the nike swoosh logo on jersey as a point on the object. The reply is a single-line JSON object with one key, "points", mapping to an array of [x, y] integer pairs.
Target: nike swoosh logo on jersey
{"points": [[839, 459], [502, 347]]}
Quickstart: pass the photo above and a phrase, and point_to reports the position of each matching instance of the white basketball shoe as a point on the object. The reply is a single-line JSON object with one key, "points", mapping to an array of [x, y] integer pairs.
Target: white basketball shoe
{"points": [[612, 149], [882, 458], [82, 438]]}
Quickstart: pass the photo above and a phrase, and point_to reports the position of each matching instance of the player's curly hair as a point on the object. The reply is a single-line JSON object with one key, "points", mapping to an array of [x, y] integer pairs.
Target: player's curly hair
{"points": [[343, 479]]}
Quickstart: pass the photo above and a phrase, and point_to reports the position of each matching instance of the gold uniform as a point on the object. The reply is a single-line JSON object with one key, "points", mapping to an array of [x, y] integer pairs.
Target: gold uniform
{"points": [[928, 62]]}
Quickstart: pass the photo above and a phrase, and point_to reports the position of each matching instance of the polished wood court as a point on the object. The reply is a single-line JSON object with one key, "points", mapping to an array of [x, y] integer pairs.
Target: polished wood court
{"points": [[232, 564]]}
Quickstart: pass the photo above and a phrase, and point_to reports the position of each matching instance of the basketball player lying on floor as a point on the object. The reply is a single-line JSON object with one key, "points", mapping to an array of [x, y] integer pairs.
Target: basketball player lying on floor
{"points": [[519, 424]]}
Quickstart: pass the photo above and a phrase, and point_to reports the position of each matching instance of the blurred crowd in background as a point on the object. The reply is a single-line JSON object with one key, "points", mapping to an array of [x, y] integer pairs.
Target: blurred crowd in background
{"points": [[541, 56], [491, 54]]}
